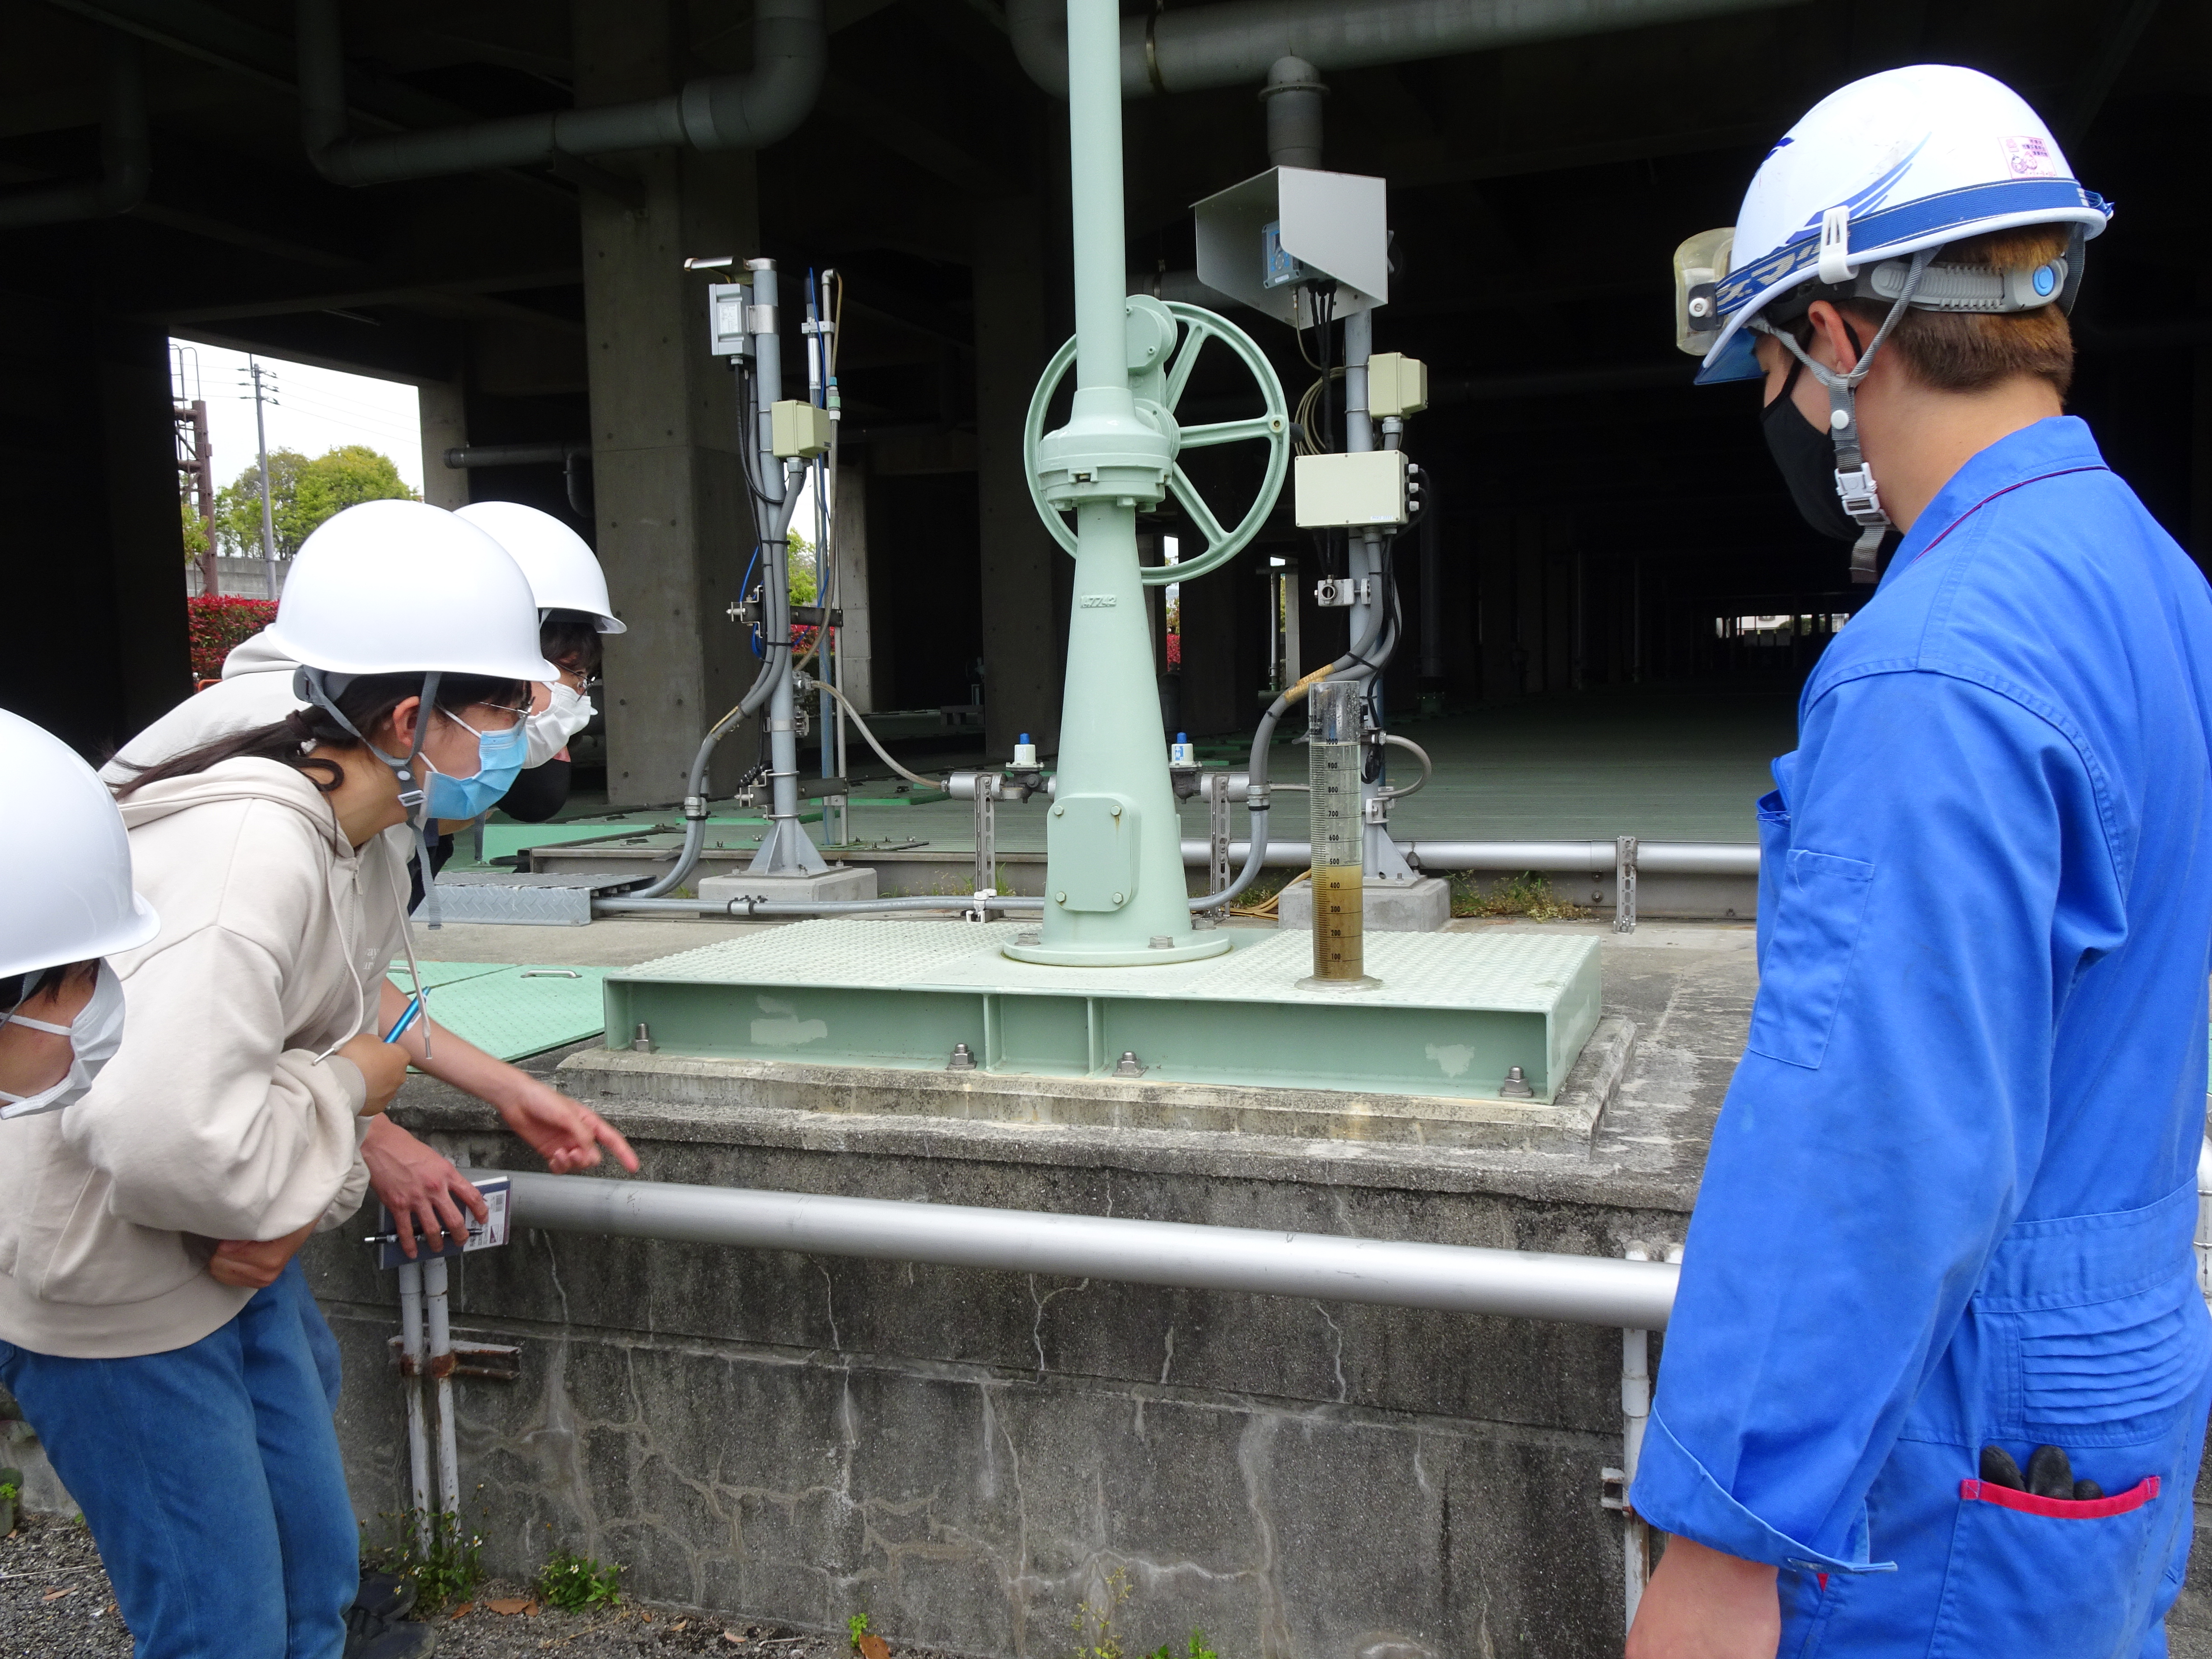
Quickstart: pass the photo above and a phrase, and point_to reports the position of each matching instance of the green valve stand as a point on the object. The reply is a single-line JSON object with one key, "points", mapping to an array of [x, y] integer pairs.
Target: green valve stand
{"points": [[1114, 873]]}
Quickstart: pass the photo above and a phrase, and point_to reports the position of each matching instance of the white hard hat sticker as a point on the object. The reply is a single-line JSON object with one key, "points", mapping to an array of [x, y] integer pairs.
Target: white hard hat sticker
{"points": [[2030, 157]]}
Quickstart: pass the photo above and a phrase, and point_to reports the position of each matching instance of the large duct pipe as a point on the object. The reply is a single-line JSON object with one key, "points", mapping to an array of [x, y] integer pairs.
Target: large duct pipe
{"points": [[718, 111], [1583, 1290], [1233, 43], [126, 157]]}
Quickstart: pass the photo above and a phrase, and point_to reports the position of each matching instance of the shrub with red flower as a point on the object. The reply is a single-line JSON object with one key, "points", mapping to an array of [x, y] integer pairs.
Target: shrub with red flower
{"points": [[1175, 653], [215, 624]]}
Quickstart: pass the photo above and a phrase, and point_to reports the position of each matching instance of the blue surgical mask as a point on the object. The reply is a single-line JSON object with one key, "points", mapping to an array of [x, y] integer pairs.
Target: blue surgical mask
{"points": [[499, 763]]}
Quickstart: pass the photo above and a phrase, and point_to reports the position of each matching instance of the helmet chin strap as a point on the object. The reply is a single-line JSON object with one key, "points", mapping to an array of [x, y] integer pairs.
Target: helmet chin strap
{"points": [[313, 684], [1855, 480]]}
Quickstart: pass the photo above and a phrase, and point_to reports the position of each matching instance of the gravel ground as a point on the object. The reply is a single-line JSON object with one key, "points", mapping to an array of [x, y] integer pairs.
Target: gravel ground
{"points": [[55, 1604]]}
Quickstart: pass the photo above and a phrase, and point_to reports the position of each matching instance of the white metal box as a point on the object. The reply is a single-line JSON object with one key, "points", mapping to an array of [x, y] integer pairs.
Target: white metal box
{"points": [[1354, 490]]}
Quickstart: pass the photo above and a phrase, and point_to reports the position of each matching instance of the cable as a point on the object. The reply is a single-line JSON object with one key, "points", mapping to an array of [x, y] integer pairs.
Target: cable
{"points": [[801, 683], [1428, 769]]}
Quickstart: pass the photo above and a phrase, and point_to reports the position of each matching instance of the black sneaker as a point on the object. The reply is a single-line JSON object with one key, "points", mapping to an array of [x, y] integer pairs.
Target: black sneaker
{"points": [[384, 1596], [374, 1627], [404, 1640]]}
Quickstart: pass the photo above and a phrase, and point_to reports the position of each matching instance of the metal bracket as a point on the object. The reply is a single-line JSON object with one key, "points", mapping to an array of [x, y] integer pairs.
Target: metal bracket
{"points": [[1613, 1484], [986, 836], [1624, 885], [494, 1361]]}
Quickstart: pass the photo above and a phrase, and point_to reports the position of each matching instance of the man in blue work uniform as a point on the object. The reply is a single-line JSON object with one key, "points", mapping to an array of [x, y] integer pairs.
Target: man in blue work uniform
{"points": [[1937, 1376]]}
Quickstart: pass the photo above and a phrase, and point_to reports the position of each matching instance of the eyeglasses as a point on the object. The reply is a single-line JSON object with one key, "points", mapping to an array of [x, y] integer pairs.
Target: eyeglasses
{"points": [[520, 715]]}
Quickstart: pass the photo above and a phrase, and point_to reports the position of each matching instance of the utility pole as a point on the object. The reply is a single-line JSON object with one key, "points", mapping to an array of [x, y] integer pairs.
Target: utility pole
{"points": [[268, 515], [195, 456]]}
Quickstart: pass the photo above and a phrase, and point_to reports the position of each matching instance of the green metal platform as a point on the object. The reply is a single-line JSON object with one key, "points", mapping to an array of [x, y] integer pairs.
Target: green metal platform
{"points": [[1453, 1011], [511, 1010]]}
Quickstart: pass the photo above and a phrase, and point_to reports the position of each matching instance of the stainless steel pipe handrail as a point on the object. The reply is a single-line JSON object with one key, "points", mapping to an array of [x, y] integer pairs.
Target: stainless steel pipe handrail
{"points": [[1580, 1290]]}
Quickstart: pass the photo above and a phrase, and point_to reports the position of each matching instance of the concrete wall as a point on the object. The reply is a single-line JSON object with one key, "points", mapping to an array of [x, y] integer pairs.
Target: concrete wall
{"points": [[967, 1456], [88, 463]]}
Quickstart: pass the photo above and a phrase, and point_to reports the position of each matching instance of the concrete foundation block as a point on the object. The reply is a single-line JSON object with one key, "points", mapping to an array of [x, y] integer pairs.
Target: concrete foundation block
{"points": [[839, 881], [1420, 906]]}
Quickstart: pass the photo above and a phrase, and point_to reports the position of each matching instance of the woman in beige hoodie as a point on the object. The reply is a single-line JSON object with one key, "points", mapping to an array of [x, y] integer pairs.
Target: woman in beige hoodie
{"points": [[153, 1321]]}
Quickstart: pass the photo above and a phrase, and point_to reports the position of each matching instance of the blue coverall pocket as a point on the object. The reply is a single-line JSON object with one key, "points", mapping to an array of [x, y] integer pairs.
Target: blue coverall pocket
{"points": [[2032, 1574], [1820, 909]]}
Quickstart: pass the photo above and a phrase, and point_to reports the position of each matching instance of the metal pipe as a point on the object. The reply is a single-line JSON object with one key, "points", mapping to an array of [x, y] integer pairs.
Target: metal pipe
{"points": [[125, 156], [1234, 42], [622, 904], [1388, 1273], [1292, 97], [715, 112], [1593, 858], [545, 454], [438, 1318], [414, 1360], [1636, 1416]]}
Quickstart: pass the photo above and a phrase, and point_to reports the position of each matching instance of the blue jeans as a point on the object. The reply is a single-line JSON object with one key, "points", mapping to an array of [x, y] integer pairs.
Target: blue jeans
{"points": [[211, 1479]]}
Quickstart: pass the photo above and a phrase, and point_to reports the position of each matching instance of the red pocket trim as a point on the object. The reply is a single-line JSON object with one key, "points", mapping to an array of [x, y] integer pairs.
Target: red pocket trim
{"points": [[2061, 1509]]}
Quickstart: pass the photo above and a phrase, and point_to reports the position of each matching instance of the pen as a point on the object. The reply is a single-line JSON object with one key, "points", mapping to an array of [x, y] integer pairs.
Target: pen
{"points": [[408, 1016]]}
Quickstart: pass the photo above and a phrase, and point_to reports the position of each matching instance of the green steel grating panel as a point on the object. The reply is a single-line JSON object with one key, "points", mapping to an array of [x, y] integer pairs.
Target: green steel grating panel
{"points": [[1453, 1012], [435, 974], [511, 1012]]}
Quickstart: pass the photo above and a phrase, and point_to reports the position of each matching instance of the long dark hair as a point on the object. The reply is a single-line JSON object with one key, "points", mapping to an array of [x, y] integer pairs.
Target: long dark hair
{"points": [[366, 700]]}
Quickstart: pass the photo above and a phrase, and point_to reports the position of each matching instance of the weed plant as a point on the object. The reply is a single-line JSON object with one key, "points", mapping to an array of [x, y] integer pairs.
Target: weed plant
{"points": [[1525, 895], [575, 1584], [446, 1571]]}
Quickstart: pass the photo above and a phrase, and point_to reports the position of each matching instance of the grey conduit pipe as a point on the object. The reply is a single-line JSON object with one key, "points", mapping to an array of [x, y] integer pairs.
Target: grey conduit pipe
{"points": [[125, 156], [1188, 49], [763, 688], [639, 905], [715, 112], [1580, 1290]]}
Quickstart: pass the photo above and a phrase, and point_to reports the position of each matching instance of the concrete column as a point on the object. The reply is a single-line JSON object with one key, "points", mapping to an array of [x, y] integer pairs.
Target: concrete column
{"points": [[858, 634], [445, 426], [1022, 662], [138, 495], [673, 534]]}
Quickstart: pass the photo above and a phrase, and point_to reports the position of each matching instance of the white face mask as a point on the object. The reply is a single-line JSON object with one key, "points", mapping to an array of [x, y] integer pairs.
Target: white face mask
{"points": [[95, 1036], [548, 731]]}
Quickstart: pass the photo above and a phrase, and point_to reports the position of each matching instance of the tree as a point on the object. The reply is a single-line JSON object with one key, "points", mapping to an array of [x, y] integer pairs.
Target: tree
{"points": [[302, 494], [196, 541], [798, 569]]}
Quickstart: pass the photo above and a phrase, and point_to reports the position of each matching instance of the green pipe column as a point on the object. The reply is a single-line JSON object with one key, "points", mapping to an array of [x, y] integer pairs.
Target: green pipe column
{"points": [[1114, 877]]}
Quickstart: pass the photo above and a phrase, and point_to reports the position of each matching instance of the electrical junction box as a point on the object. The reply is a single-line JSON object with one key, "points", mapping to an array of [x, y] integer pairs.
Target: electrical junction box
{"points": [[1349, 491], [798, 431], [729, 308], [1278, 268], [1261, 241], [1397, 385]]}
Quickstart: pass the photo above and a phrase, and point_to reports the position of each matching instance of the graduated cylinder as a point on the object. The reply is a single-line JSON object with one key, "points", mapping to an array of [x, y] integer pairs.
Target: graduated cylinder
{"points": [[1333, 714]]}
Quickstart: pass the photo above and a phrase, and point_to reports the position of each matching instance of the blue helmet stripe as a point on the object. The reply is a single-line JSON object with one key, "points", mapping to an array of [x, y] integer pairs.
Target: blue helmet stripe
{"points": [[1909, 221]]}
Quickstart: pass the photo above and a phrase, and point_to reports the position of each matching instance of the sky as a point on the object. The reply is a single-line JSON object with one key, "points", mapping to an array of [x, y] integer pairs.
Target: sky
{"points": [[314, 409]]}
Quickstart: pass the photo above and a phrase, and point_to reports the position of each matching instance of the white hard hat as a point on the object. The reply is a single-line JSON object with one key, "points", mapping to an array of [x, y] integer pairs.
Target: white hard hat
{"points": [[564, 573], [1903, 161], [68, 895], [397, 586]]}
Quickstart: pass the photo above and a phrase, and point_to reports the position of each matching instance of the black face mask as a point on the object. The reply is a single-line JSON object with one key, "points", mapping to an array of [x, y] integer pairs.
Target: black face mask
{"points": [[1806, 456]]}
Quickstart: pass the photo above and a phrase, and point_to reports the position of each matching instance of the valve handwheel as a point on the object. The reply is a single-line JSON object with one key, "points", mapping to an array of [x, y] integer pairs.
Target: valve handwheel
{"points": [[1271, 427]]}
